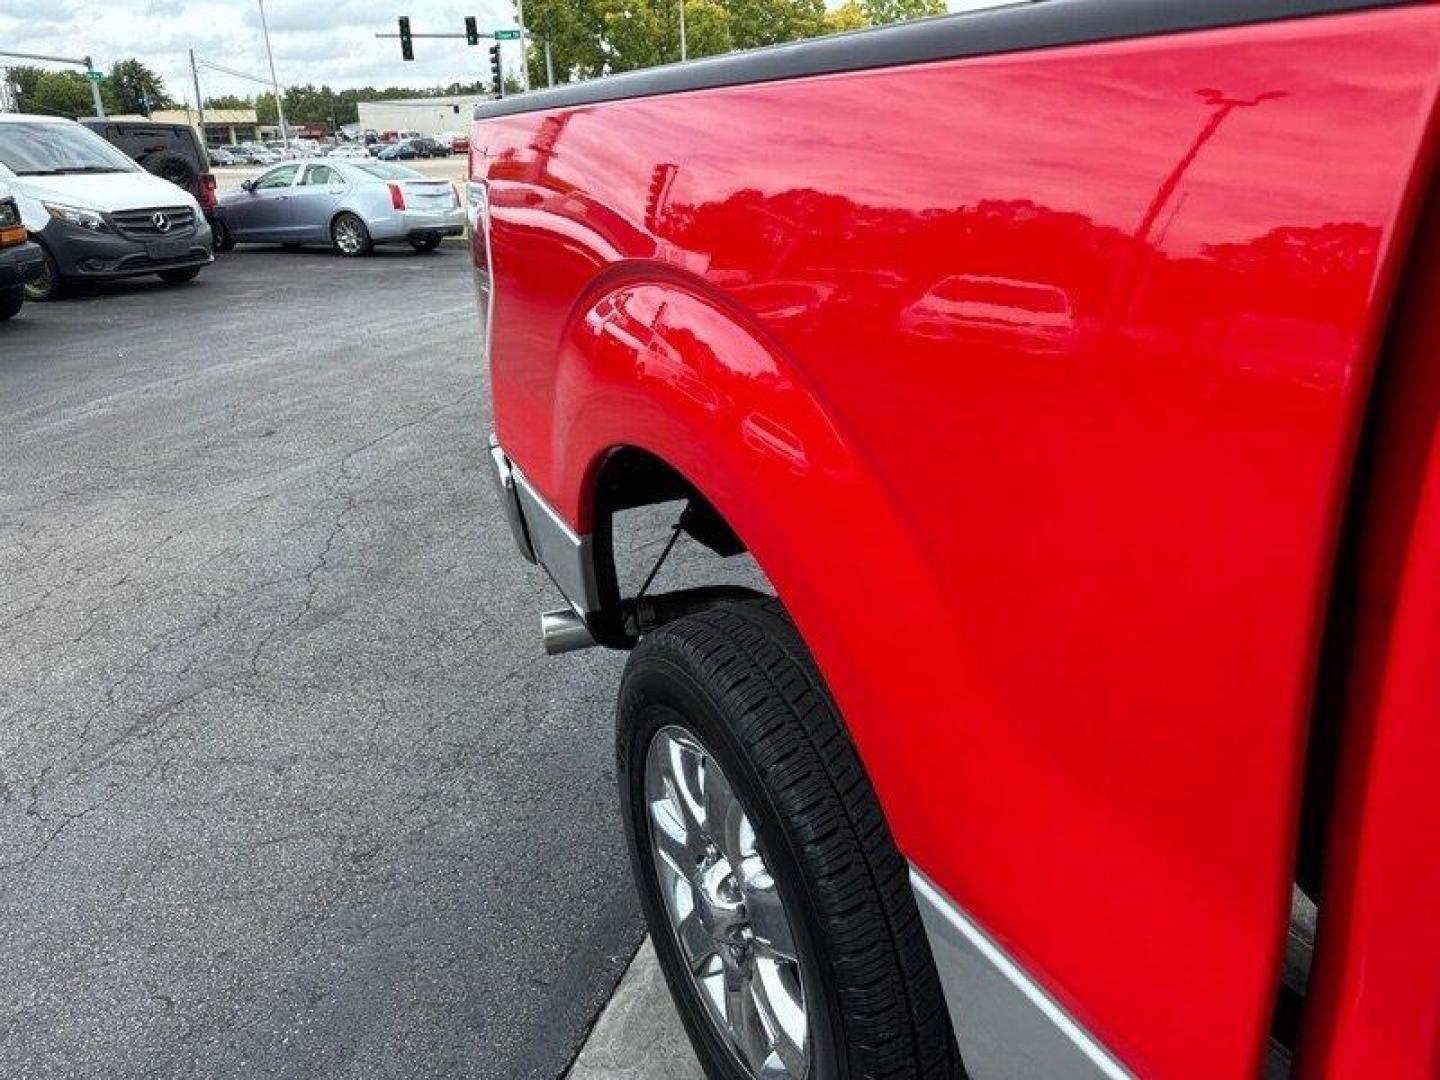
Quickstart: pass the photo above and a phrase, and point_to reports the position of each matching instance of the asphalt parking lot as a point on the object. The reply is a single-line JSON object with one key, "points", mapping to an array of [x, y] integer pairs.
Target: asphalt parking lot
{"points": [[286, 788]]}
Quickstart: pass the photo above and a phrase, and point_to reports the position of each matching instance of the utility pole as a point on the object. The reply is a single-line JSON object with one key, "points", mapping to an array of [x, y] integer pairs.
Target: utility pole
{"points": [[682, 30], [274, 82], [199, 102], [549, 65]]}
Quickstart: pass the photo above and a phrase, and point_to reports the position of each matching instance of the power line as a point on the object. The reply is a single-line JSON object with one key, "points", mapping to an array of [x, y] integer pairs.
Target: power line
{"points": [[230, 71]]}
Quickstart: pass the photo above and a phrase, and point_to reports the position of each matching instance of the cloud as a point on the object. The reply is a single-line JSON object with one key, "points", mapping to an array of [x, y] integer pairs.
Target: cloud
{"points": [[315, 41], [332, 42]]}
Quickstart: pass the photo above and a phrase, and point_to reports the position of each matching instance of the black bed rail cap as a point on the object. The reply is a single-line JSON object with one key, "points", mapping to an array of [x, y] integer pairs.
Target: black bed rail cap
{"points": [[1029, 24]]}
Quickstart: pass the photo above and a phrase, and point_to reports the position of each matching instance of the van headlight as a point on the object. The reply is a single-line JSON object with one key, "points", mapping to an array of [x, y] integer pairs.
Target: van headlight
{"points": [[9, 215], [77, 215]]}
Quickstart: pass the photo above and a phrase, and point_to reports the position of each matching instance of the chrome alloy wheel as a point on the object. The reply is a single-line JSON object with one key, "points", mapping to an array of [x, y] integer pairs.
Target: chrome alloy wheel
{"points": [[724, 908], [348, 236]]}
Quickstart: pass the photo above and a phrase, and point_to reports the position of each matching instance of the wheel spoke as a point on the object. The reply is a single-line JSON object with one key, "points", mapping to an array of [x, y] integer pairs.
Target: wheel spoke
{"points": [[767, 914], [723, 814], [782, 1017], [683, 784], [681, 847], [695, 942], [746, 1029]]}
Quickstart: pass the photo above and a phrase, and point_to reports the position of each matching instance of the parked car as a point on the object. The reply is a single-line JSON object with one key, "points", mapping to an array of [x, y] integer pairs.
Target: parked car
{"points": [[220, 155], [254, 154], [169, 151], [95, 213], [460, 144], [430, 148], [1090, 452], [350, 152], [400, 151], [20, 259], [350, 205]]}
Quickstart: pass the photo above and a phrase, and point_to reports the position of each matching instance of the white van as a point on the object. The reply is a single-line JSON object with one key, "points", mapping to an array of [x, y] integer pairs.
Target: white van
{"points": [[93, 211]]}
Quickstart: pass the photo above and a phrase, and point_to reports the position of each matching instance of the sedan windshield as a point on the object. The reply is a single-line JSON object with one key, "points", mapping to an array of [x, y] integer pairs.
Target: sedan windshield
{"points": [[47, 149], [384, 171]]}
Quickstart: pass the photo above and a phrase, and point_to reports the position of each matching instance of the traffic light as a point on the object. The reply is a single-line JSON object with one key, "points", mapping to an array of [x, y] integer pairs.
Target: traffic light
{"points": [[472, 31], [495, 72], [407, 47]]}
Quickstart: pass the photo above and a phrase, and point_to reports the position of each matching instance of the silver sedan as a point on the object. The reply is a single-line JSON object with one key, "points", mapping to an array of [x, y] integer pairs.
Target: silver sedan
{"points": [[351, 205]]}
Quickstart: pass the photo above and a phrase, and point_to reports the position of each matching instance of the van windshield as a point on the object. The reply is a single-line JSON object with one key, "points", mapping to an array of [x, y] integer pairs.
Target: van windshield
{"points": [[46, 149]]}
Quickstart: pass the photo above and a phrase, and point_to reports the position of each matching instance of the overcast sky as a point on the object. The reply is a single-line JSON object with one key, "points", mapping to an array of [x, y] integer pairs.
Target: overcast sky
{"points": [[315, 41]]}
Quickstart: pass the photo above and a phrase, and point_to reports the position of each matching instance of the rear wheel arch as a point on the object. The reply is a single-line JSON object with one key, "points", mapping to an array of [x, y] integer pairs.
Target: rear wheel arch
{"points": [[658, 385]]}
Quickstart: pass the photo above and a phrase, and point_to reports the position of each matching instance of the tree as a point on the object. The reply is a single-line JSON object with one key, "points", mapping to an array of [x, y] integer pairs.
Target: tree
{"points": [[25, 77], [848, 16], [708, 28], [136, 89], [574, 30], [229, 101], [769, 22], [881, 12], [60, 93], [589, 38]]}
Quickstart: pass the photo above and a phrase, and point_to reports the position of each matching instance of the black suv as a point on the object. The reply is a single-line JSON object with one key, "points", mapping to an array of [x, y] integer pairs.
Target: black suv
{"points": [[170, 151]]}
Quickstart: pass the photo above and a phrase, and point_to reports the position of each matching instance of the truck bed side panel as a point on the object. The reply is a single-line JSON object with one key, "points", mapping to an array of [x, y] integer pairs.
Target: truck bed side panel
{"points": [[1033, 383]]}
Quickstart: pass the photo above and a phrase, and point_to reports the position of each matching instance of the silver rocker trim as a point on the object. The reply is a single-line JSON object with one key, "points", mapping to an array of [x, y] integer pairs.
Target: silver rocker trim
{"points": [[544, 537], [1006, 1025]]}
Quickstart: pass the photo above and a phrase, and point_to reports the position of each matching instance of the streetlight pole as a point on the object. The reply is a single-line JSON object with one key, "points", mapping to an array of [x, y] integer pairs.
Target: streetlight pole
{"points": [[199, 102], [682, 30], [274, 82], [524, 45]]}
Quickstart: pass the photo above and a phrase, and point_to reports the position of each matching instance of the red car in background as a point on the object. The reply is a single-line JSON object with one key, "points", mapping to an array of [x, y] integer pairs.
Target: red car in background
{"points": [[1071, 372]]}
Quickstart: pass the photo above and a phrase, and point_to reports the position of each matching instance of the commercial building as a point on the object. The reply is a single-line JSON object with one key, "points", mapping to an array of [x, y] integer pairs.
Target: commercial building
{"points": [[223, 127], [428, 116]]}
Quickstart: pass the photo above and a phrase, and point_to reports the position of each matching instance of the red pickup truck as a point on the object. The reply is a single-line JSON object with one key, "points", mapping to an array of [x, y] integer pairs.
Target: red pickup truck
{"points": [[1071, 370]]}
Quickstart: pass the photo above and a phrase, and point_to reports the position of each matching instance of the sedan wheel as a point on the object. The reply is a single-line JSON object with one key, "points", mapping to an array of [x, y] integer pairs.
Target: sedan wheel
{"points": [[350, 235], [224, 241]]}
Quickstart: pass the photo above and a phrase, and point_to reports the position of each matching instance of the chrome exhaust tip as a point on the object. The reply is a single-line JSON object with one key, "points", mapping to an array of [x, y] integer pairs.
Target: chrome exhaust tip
{"points": [[563, 631]]}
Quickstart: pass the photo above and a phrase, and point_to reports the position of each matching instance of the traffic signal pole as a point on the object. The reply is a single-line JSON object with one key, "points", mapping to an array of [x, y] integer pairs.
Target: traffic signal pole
{"points": [[472, 36], [91, 75]]}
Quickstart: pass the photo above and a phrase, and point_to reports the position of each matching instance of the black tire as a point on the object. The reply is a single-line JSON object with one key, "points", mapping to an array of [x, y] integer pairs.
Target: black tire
{"points": [[11, 301], [739, 678], [428, 242], [179, 277], [179, 170], [340, 238], [223, 240], [49, 285]]}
